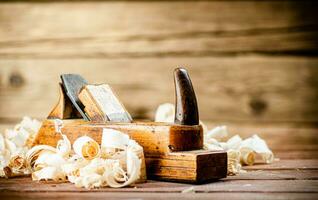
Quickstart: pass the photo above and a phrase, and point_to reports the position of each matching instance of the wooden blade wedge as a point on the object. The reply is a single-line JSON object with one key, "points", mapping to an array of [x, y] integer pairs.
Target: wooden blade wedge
{"points": [[101, 104]]}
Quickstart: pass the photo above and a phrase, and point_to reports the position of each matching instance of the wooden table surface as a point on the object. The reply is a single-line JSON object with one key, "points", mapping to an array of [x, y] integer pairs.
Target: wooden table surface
{"points": [[293, 176]]}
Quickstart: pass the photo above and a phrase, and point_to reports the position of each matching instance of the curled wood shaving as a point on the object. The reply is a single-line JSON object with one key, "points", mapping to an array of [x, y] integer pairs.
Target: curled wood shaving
{"points": [[14, 144], [48, 159], [64, 146], [247, 156], [49, 173], [217, 133], [165, 113], [239, 151], [120, 168], [259, 146], [34, 153], [10, 146], [234, 165], [248, 150], [45, 161], [85, 165], [114, 139], [58, 124], [87, 168], [86, 147], [117, 177], [73, 165], [2, 143], [18, 164]]}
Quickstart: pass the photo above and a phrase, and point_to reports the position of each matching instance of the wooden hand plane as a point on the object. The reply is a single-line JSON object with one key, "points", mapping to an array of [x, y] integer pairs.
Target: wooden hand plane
{"points": [[173, 151]]}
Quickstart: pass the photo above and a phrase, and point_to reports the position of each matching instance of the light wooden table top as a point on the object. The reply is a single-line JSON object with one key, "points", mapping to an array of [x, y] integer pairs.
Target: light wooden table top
{"points": [[294, 176]]}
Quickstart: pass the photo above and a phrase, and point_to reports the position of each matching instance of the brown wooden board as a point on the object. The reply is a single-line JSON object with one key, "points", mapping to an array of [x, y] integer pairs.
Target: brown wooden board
{"points": [[270, 186], [249, 88], [158, 196], [158, 29], [248, 61], [296, 163], [156, 138], [292, 174]]}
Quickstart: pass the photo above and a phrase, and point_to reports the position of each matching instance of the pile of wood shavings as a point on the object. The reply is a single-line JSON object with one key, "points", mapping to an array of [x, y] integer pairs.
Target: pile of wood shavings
{"points": [[240, 152], [114, 163], [14, 144]]}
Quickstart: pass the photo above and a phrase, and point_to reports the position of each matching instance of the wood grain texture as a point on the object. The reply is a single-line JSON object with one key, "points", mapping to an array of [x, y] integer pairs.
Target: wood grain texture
{"points": [[295, 174], [291, 164], [102, 105], [147, 29], [157, 139], [253, 88], [248, 61], [172, 152], [155, 196], [268, 186], [294, 139], [64, 108]]}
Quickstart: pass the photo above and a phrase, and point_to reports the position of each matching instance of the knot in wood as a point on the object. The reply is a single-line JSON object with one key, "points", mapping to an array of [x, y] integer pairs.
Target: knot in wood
{"points": [[16, 79]]}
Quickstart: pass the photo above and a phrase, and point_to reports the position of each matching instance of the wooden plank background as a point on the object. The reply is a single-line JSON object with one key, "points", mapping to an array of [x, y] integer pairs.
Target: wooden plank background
{"points": [[250, 62]]}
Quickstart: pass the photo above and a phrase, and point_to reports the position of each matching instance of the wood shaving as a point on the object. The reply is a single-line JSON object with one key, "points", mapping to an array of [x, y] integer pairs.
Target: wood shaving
{"points": [[233, 164], [109, 171], [86, 168], [248, 149], [14, 144], [188, 190], [239, 151], [49, 173], [217, 133], [86, 147], [165, 113], [114, 139], [33, 154], [64, 146], [84, 165]]}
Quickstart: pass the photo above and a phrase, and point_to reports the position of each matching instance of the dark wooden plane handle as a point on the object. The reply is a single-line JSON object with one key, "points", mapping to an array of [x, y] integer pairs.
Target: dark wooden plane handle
{"points": [[186, 103]]}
